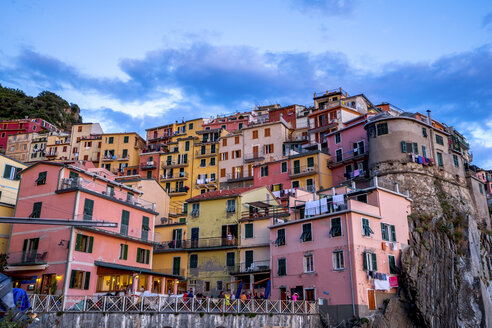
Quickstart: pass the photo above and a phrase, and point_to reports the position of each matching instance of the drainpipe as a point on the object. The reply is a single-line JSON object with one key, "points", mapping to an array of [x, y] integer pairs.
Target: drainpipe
{"points": [[350, 265]]}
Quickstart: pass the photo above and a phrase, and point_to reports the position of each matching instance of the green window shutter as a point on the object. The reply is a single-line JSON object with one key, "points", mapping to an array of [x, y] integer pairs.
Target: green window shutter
{"points": [[248, 230], [87, 280], [91, 243], [36, 210], [384, 232], [393, 233], [73, 276], [415, 148], [310, 161], [24, 247], [364, 260], [6, 171], [403, 147], [125, 219], [138, 255], [147, 256], [125, 252], [374, 262], [78, 241], [88, 209], [35, 243]]}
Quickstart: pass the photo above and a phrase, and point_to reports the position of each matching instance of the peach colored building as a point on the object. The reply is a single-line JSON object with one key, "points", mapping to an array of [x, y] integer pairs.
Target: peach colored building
{"points": [[344, 247], [82, 260]]}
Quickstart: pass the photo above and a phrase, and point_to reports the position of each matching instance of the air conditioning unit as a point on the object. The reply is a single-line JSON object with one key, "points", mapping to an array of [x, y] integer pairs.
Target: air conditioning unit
{"points": [[164, 220]]}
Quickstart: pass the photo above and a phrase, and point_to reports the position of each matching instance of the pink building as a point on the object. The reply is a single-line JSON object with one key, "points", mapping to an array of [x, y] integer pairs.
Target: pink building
{"points": [[229, 123], [349, 151], [11, 127], [348, 253], [81, 260], [274, 175], [486, 178]]}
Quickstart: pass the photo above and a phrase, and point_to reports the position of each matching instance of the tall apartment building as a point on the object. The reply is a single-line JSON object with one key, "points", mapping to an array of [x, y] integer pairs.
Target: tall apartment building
{"points": [[58, 147], [229, 123], [120, 152], [19, 126], [18, 146], [88, 132]]}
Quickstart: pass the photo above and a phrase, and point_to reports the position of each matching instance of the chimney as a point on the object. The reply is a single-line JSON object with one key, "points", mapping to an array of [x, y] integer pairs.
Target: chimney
{"points": [[429, 120]]}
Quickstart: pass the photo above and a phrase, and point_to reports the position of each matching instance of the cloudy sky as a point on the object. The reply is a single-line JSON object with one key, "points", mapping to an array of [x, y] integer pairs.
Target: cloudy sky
{"points": [[131, 65]]}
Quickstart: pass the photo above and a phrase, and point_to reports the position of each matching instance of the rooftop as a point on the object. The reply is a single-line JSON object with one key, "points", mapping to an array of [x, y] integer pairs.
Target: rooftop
{"points": [[218, 194]]}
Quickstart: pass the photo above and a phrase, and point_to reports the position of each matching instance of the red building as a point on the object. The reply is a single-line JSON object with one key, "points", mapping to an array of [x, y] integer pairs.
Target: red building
{"points": [[288, 113], [229, 123], [11, 127]]}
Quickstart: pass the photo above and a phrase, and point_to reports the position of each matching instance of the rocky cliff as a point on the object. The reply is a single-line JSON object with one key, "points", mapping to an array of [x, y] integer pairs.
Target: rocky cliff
{"points": [[447, 269]]}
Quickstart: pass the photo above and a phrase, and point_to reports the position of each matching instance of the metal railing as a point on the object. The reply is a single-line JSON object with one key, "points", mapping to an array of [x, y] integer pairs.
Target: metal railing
{"points": [[239, 175], [347, 156], [166, 304], [255, 266], [255, 156], [148, 165], [197, 243], [28, 257], [208, 152], [176, 176], [298, 171], [265, 213]]}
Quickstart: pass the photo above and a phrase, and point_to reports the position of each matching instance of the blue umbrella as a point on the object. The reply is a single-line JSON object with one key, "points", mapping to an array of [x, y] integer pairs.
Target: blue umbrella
{"points": [[238, 292], [267, 290]]}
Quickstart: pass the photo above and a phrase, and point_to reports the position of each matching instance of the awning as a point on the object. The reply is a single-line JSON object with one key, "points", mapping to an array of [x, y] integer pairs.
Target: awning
{"points": [[134, 269], [260, 204], [26, 267]]}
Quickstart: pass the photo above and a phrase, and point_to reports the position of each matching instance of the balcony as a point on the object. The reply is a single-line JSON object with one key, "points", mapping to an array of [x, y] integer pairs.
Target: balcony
{"points": [[174, 177], [213, 242], [108, 158], [208, 182], [260, 210], [253, 157], [238, 176], [178, 191], [347, 157], [27, 258], [148, 165], [52, 154], [91, 137], [302, 171], [250, 267], [208, 153], [168, 165], [162, 137], [123, 157], [102, 189]]}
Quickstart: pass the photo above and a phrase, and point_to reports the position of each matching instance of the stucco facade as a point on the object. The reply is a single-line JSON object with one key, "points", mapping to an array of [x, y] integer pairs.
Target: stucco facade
{"points": [[120, 152]]}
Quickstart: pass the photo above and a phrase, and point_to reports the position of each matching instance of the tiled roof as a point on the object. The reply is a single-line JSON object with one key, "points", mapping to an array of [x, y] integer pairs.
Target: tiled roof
{"points": [[217, 194]]}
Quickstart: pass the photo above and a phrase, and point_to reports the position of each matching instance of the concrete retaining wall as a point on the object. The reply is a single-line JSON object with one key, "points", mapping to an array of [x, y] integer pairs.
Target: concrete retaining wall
{"points": [[165, 320]]}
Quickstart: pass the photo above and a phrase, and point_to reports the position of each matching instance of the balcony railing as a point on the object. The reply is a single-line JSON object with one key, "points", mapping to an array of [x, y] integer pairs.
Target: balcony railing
{"points": [[122, 157], [338, 159], [263, 213], [148, 165], [255, 156], [175, 191], [168, 164], [207, 153], [52, 154], [41, 303], [69, 183], [207, 181], [329, 209], [28, 257], [238, 176], [109, 157], [256, 266], [177, 176], [299, 171], [197, 243]]}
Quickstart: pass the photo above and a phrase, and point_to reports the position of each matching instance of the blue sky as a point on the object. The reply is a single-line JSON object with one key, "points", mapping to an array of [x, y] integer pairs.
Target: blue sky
{"points": [[131, 65]]}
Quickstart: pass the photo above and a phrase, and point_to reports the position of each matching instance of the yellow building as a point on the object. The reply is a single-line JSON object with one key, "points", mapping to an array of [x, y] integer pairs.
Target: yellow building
{"points": [[83, 131], [120, 152], [9, 185], [214, 235], [309, 171], [37, 149], [58, 147]]}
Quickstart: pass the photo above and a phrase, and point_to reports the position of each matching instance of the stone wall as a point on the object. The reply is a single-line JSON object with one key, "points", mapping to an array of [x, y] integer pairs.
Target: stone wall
{"points": [[165, 320]]}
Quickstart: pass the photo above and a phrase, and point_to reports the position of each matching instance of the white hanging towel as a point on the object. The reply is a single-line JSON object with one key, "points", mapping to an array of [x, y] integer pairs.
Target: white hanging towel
{"points": [[338, 199]]}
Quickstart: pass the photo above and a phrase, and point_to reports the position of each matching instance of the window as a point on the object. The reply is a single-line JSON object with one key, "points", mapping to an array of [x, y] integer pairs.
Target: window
{"points": [[206, 286], [306, 232], [125, 220], [176, 265], [231, 205], [338, 260], [230, 259], [224, 142], [212, 177], [455, 160], [338, 138], [193, 261], [80, 279], [439, 159], [203, 150], [36, 210], [393, 269], [110, 140], [308, 263], [269, 149], [123, 252], [310, 162], [125, 153], [219, 284], [203, 162], [424, 151], [149, 174], [236, 153], [213, 149], [369, 261], [143, 256], [110, 190], [248, 230], [480, 187], [190, 126], [88, 209], [41, 180], [424, 132], [225, 156], [125, 139], [222, 173], [336, 227], [11, 172], [362, 198], [195, 209], [282, 267], [439, 140], [415, 148], [267, 132], [236, 140], [30, 250], [295, 184], [382, 129], [264, 171], [366, 229], [283, 167], [145, 228], [84, 243], [185, 208], [255, 134], [388, 232], [212, 161], [338, 155], [280, 241]]}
